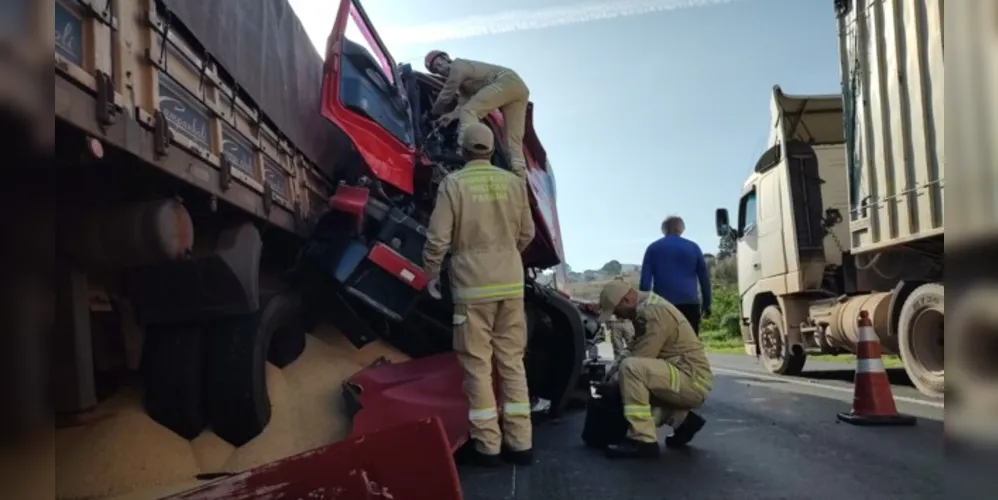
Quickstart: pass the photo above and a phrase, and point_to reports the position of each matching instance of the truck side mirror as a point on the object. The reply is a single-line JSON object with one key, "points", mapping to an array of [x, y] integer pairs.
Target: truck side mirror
{"points": [[721, 222]]}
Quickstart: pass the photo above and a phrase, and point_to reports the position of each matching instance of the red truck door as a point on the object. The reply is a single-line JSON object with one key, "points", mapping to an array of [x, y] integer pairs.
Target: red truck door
{"points": [[363, 95]]}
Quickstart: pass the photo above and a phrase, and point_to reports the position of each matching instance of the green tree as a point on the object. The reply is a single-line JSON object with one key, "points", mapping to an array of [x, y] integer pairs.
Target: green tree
{"points": [[723, 272], [612, 267], [727, 247]]}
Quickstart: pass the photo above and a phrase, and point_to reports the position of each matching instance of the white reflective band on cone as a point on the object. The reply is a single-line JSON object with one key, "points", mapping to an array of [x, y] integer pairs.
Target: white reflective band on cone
{"points": [[866, 334], [870, 366]]}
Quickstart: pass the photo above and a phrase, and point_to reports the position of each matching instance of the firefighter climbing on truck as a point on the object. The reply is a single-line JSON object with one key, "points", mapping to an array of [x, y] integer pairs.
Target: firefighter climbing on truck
{"points": [[486, 87]]}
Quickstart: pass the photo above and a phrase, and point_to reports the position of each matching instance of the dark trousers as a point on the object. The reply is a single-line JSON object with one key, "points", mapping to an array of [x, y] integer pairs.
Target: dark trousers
{"points": [[692, 313]]}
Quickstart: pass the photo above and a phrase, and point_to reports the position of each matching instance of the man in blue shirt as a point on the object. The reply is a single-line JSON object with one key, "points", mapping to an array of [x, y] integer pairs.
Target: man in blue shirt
{"points": [[672, 268]]}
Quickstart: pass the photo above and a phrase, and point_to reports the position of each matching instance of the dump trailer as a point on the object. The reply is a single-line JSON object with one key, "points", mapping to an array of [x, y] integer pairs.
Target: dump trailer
{"points": [[844, 210], [240, 229]]}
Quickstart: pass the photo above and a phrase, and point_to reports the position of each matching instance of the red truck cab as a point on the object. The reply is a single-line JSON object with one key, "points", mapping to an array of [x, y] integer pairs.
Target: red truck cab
{"points": [[381, 106], [362, 268]]}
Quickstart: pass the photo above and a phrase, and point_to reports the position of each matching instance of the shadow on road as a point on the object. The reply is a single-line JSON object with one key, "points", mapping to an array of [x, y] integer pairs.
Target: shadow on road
{"points": [[897, 376]]}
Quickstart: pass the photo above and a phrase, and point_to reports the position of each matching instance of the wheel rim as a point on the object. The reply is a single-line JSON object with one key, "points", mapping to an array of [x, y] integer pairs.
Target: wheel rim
{"points": [[927, 341], [771, 340]]}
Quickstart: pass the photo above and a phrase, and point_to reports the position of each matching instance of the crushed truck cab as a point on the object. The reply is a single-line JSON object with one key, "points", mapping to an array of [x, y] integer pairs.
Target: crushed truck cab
{"points": [[240, 242], [362, 266]]}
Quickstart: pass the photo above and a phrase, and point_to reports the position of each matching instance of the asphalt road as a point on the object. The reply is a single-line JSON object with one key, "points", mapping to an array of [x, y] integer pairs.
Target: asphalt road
{"points": [[766, 438]]}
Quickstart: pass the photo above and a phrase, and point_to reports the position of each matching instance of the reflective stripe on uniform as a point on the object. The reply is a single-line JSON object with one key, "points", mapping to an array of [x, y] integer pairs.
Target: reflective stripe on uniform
{"points": [[484, 183], [482, 413], [516, 409], [637, 411], [673, 378], [489, 291], [473, 171], [702, 385]]}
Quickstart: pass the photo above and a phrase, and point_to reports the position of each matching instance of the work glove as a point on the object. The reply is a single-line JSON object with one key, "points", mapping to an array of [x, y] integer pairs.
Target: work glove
{"points": [[433, 286], [446, 119], [705, 312]]}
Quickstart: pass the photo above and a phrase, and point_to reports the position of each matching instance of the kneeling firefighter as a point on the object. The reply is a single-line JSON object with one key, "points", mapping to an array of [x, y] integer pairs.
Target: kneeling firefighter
{"points": [[665, 366], [482, 216]]}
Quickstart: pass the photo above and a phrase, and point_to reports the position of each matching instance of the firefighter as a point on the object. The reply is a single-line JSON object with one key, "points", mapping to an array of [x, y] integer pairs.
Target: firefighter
{"points": [[620, 334], [665, 366], [486, 87], [482, 216]]}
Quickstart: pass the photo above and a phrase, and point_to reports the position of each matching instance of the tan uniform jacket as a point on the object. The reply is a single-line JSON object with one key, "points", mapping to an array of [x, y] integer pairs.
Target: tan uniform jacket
{"points": [[466, 78], [621, 334], [482, 216], [661, 331]]}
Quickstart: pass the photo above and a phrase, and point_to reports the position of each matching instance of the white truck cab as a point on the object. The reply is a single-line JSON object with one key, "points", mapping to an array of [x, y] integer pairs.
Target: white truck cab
{"points": [[806, 263]]}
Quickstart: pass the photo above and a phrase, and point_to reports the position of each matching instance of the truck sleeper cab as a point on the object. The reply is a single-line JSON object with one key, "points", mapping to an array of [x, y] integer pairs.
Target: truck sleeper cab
{"points": [[802, 277]]}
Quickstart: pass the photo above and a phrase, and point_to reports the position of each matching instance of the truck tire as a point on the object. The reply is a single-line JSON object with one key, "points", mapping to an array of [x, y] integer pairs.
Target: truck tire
{"points": [[172, 375], [920, 338], [238, 405], [776, 353], [288, 341]]}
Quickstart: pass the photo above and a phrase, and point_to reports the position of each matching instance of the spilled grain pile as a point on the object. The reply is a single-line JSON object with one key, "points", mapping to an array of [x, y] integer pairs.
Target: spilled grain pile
{"points": [[125, 454]]}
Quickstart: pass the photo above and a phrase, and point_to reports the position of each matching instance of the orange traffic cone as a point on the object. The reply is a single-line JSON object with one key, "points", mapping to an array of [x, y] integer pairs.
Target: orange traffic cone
{"points": [[873, 402]]}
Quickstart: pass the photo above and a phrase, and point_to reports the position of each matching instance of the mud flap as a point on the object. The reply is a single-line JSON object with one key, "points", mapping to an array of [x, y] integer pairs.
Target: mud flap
{"points": [[384, 396], [410, 460]]}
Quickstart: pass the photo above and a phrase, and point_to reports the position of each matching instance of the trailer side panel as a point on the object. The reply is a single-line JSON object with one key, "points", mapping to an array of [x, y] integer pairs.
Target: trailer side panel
{"points": [[892, 79]]}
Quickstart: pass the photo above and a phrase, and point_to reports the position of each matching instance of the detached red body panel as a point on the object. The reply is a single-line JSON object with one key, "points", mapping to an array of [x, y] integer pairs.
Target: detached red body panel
{"points": [[411, 461], [430, 387]]}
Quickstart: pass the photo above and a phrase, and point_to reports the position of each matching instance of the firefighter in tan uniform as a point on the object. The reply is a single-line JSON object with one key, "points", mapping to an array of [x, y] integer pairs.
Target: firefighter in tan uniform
{"points": [[482, 216], [621, 333], [665, 367], [479, 89]]}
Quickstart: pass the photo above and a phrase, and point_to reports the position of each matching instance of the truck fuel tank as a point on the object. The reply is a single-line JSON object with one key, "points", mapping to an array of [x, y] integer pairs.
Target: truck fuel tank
{"points": [[839, 318]]}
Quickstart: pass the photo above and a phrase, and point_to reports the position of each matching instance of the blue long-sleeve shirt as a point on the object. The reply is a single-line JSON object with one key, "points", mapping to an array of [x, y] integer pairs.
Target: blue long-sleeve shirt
{"points": [[672, 268]]}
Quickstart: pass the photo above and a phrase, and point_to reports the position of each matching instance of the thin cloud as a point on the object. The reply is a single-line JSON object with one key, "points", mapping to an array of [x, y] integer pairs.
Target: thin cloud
{"points": [[532, 19]]}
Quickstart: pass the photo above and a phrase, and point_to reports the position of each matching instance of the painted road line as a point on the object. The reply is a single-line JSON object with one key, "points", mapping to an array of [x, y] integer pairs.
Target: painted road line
{"points": [[812, 383]]}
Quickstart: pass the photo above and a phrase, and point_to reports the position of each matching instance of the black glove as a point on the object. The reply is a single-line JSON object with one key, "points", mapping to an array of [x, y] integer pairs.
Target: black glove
{"points": [[705, 312]]}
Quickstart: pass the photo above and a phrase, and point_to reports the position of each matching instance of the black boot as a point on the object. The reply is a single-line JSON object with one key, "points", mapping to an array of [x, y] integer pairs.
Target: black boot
{"points": [[522, 457], [685, 432], [469, 455], [629, 448]]}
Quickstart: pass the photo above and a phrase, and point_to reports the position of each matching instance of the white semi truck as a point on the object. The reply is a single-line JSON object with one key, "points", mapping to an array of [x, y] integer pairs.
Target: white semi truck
{"points": [[844, 210]]}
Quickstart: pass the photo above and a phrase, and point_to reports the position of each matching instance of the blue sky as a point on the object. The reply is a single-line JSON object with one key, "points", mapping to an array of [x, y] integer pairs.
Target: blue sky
{"points": [[642, 115]]}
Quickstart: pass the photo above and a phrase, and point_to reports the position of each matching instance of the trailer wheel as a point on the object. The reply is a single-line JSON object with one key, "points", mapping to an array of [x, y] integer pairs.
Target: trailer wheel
{"points": [[288, 341], [920, 338], [172, 374], [238, 403], [773, 345]]}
